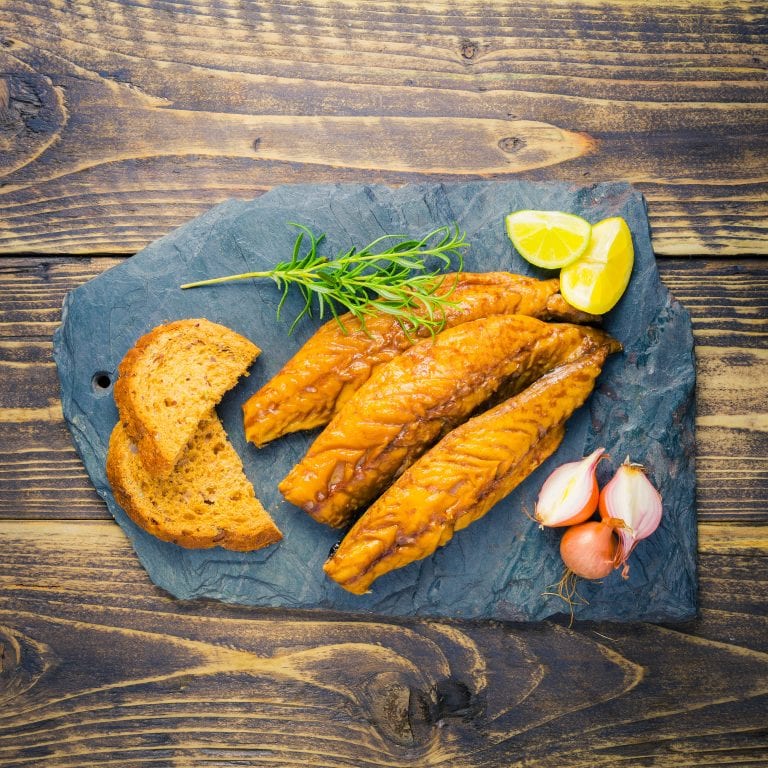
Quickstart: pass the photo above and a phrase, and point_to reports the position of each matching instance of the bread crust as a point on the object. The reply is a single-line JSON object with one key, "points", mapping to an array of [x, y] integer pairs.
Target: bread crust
{"points": [[175, 509], [158, 447]]}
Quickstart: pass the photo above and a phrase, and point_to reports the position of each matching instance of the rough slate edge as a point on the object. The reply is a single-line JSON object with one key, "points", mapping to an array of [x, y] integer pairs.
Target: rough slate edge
{"points": [[215, 573]]}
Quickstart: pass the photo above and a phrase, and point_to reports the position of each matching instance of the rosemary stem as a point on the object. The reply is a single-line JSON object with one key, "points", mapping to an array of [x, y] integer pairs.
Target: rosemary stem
{"points": [[228, 278], [395, 280]]}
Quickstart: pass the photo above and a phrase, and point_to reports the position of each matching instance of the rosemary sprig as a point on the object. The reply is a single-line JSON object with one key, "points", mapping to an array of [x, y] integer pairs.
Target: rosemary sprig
{"points": [[381, 277]]}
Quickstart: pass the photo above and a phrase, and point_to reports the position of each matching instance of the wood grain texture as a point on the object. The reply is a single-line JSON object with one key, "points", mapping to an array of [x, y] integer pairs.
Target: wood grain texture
{"points": [[119, 120], [728, 301], [99, 667]]}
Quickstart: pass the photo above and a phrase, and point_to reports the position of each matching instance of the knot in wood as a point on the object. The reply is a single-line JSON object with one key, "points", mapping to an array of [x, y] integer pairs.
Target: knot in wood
{"points": [[31, 116], [468, 50], [21, 100], [511, 144], [21, 663], [402, 712], [455, 699]]}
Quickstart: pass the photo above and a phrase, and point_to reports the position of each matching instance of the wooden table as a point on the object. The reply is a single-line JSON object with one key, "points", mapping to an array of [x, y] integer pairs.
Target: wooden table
{"points": [[120, 120]]}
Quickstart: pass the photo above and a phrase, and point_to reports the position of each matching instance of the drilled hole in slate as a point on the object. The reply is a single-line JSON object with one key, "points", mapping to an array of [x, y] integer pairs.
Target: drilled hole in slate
{"points": [[101, 383]]}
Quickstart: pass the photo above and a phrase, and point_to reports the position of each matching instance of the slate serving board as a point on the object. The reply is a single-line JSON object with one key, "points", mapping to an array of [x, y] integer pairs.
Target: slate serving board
{"points": [[499, 567]]}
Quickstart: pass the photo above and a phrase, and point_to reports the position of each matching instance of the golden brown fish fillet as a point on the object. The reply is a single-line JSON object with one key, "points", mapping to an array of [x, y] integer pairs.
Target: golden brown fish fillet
{"points": [[463, 476], [418, 396], [335, 362], [559, 309]]}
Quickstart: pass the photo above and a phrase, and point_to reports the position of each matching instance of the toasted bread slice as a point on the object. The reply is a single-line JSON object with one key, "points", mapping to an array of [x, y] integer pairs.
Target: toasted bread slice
{"points": [[206, 501], [169, 381]]}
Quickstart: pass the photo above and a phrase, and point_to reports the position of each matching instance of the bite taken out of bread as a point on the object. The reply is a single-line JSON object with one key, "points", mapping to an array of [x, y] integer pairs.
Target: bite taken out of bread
{"points": [[170, 379], [206, 501]]}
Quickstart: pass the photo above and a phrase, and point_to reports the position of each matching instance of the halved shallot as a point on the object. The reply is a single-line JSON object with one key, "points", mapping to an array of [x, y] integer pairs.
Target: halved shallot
{"points": [[630, 497], [570, 494]]}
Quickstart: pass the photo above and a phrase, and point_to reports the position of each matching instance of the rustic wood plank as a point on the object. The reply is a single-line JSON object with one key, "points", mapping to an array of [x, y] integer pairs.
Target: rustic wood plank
{"points": [[121, 121], [99, 667], [32, 291], [728, 301]]}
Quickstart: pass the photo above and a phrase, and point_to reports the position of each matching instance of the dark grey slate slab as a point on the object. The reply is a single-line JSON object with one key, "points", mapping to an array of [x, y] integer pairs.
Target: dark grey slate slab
{"points": [[500, 566]]}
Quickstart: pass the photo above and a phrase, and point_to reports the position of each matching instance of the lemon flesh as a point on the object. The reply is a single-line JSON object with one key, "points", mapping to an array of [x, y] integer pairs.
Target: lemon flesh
{"points": [[548, 239], [596, 281]]}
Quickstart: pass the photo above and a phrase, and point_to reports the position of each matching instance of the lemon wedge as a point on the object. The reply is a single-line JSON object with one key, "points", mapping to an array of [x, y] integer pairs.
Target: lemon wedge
{"points": [[548, 239], [596, 281]]}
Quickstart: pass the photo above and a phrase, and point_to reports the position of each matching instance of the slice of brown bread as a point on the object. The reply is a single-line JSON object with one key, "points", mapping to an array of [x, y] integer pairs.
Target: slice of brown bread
{"points": [[169, 381], [206, 501]]}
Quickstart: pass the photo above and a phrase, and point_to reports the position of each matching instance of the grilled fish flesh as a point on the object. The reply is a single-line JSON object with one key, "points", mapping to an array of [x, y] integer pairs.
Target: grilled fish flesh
{"points": [[463, 476], [408, 404], [337, 361]]}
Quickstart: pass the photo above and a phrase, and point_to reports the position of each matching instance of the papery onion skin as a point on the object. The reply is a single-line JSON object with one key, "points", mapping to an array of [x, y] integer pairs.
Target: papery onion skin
{"points": [[590, 549], [570, 494], [631, 497]]}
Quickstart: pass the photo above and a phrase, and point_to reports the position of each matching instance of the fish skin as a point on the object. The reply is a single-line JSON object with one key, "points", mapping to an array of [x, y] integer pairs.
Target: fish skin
{"points": [[408, 404], [463, 476], [557, 308], [333, 364]]}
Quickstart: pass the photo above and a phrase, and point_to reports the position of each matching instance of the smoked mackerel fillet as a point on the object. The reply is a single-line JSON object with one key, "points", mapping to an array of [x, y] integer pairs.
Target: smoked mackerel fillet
{"points": [[463, 476], [339, 358], [410, 402]]}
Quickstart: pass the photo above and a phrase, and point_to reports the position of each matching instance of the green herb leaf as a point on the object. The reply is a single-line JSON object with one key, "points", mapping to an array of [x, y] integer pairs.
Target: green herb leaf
{"points": [[389, 275]]}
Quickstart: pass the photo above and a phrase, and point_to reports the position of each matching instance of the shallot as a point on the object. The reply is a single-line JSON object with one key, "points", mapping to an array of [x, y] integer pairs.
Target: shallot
{"points": [[630, 497], [590, 549], [570, 494]]}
